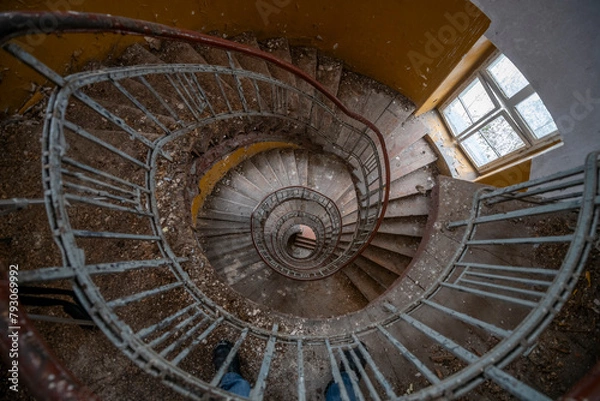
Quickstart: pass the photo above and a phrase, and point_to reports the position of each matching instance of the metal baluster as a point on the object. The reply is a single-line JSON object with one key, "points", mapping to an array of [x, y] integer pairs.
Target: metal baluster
{"points": [[84, 134], [421, 367], [301, 379], [337, 376], [185, 99], [161, 100], [490, 295], [165, 322], [61, 273], [106, 205], [217, 379], [353, 378], [259, 387], [380, 377], [197, 341], [490, 328], [144, 294], [100, 173], [140, 106]]}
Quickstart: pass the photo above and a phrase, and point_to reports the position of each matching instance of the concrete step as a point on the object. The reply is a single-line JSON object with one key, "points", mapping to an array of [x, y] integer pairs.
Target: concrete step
{"points": [[288, 161], [301, 157], [383, 276], [230, 192], [213, 87], [416, 205], [416, 156], [413, 226], [305, 58], [329, 74], [392, 261], [280, 48], [254, 174], [404, 136], [243, 89], [406, 246], [419, 181], [264, 163], [370, 288]]}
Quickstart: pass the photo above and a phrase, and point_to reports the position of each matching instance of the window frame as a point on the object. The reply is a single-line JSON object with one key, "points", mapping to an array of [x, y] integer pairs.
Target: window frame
{"points": [[503, 106]]}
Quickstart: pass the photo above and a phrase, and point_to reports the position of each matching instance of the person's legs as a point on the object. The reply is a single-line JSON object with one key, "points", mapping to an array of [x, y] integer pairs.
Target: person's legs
{"points": [[235, 383], [232, 380], [333, 392]]}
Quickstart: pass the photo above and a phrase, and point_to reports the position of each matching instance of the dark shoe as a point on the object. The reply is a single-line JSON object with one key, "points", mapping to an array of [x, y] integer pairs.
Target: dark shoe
{"points": [[351, 363], [220, 354]]}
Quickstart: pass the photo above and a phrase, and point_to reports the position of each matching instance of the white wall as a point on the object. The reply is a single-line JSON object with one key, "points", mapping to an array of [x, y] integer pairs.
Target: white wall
{"points": [[556, 44]]}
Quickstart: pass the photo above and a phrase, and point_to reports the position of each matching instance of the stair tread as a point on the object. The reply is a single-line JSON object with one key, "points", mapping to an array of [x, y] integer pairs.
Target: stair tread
{"points": [[305, 58], [413, 158], [178, 52], [386, 259], [420, 181], [383, 276], [370, 288], [403, 245], [415, 205], [279, 48], [410, 226], [329, 73], [288, 159], [404, 136]]}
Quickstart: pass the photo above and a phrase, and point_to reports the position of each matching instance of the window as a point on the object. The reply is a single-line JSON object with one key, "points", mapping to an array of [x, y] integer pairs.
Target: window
{"points": [[497, 117]]}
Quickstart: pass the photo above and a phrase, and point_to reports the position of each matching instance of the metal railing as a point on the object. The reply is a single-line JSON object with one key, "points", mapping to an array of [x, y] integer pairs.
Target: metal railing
{"points": [[169, 342]]}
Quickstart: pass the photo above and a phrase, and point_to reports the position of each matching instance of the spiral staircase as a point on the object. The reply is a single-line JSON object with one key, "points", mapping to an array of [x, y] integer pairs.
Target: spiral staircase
{"points": [[201, 189]]}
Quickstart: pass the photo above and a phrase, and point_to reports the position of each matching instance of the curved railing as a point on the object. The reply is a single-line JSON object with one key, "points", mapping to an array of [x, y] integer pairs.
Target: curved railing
{"points": [[97, 162]]}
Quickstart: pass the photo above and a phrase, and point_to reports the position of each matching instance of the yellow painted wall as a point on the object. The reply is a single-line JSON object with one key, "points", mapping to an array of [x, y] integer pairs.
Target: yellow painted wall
{"points": [[409, 45], [510, 176]]}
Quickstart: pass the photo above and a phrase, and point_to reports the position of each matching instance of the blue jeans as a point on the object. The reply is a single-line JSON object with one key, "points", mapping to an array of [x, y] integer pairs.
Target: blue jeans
{"points": [[333, 390], [235, 384]]}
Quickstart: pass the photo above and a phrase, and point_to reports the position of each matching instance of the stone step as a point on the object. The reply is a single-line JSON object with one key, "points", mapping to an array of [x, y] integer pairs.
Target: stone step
{"points": [[301, 157], [236, 276], [416, 205], [413, 226], [416, 156], [230, 192], [224, 205], [243, 89], [221, 216], [305, 58], [280, 48], [419, 181], [265, 180], [390, 260], [380, 99], [370, 288], [383, 276], [213, 87], [329, 74], [404, 136], [406, 246], [227, 251], [288, 161]]}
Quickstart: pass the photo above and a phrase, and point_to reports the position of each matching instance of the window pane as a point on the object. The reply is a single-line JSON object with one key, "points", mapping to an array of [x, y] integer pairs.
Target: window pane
{"points": [[476, 100], [537, 116], [494, 140], [479, 150], [501, 136], [457, 116], [507, 75]]}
